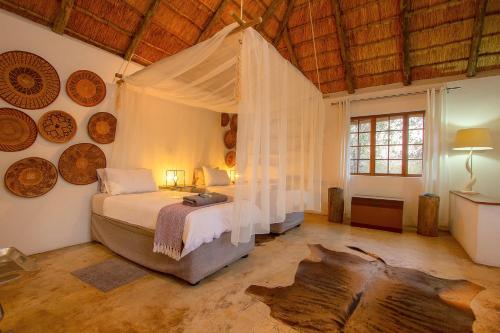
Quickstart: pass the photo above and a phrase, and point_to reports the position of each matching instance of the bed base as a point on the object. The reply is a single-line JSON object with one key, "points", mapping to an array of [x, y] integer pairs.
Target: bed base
{"points": [[292, 220], [136, 244]]}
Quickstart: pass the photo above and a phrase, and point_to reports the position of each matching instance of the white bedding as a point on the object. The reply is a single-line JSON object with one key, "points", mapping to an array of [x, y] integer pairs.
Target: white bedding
{"points": [[292, 197], [202, 225]]}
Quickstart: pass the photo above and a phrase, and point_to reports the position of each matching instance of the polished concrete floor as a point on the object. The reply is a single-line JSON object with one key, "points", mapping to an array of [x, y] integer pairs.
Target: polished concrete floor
{"points": [[53, 300]]}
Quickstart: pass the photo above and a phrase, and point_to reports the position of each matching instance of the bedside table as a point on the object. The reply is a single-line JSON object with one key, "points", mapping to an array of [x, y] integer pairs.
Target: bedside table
{"points": [[186, 188]]}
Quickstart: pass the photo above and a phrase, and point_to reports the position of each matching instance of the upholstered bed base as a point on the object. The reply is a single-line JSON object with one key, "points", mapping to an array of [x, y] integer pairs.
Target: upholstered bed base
{"points": [[136, 244], [292, 220]]}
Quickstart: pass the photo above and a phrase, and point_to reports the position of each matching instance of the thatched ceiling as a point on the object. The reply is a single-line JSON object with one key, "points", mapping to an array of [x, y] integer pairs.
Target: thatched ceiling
{"points": [[360, 43]]}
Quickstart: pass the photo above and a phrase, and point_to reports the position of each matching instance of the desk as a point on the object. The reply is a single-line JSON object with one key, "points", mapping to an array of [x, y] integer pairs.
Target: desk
{"points": [[475, 224]]}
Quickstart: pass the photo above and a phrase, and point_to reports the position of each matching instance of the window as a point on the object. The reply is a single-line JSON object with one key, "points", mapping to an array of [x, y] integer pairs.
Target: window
{"points": [[387, 144]]}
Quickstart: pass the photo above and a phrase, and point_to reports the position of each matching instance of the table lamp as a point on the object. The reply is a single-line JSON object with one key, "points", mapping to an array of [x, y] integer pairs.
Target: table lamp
{"points": [[472, 139], [175, 178]]}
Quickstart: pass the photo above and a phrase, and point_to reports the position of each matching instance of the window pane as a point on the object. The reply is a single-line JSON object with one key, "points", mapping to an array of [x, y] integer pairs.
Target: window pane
{"points": [[415, 151], [364, 166], [364, 152], [353, 153], [382, 124], [381, 152], [396, 152], [354, 127], [415, 136], [364, 139], [381, 166], [353, 166], [414, 167], [396, 123], [396, 138], [395, 167], [365, 125], [353, 140], [382, 138], [416, 122]]}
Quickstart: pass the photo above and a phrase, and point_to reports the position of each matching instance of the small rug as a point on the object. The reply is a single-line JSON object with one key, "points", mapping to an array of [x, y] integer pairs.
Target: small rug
{"points": [[342, 292], [110, 274]]}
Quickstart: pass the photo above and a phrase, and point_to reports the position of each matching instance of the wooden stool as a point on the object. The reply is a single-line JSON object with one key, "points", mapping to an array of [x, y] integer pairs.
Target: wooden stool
{"points": [[428, 215], [335, 204]]}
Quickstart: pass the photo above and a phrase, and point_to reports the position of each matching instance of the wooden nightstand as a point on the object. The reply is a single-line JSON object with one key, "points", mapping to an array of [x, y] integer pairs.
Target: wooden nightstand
{"points": [[186, 188]]}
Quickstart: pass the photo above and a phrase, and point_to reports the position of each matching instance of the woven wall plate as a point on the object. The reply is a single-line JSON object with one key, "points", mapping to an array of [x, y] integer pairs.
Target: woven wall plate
{"points": [[78, 163], [57, 126], [230, 139], [102, 127], [230, 158], [86, 88], [234, 122], [17, 130], [224, 119], [27, 80], [31, 177]]}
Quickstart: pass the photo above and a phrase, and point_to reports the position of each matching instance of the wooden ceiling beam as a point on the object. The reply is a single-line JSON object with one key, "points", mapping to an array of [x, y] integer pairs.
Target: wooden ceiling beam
{"points": [[289, 47], [405, 45], [148, 17], [284, 22], [63, 16], [477, 34], [343, 48], [268, 13], [215, 18]]}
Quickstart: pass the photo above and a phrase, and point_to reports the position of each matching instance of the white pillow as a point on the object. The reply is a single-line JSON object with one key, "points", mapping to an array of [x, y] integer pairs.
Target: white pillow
{"points": [[101, 181], [122, 181], [215, 177]]}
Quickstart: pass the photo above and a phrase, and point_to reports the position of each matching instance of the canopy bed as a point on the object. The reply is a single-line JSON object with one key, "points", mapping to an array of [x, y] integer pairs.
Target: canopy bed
{"points": [[279, 144]]}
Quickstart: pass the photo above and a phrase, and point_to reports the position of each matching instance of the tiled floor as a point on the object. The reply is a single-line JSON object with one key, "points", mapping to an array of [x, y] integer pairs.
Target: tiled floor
{"points": [[53, 300]]}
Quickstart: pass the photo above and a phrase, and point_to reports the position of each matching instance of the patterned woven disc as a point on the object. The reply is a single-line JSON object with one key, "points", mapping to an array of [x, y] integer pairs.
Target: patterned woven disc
{"points": [[234, 122], [57, 126], [230, 139], [86, 88], [27, 80], [230, 158], [224, 119], [31, 177], [102, 127], [79, 162], [17, 130]]}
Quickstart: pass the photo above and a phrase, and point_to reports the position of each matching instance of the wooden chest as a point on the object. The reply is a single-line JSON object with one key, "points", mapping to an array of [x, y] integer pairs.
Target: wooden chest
{"points": [[377, 213]]}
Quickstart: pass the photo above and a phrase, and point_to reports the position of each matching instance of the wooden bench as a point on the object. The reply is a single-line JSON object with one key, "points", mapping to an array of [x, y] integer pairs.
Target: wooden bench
{"points": [[377, 213]]}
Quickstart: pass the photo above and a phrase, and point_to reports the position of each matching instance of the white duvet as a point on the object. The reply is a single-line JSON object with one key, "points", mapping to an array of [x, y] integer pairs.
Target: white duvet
{"points": [[202, 225]]}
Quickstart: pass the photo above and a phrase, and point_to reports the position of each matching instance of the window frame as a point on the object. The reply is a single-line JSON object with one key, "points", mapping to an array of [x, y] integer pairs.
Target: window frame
{"points": [[373, 145]]}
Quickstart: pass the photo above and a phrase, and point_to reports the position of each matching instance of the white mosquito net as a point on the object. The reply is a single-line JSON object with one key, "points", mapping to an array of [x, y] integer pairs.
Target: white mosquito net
{"points": [[280, 121]]}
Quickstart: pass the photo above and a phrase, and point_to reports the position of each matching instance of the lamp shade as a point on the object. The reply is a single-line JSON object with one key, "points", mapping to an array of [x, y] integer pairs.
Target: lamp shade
{"points": [[473, 139]]}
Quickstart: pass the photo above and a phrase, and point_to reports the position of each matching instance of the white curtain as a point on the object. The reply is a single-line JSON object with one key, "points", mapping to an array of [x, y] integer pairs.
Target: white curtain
{"points": [[280, 140], [344, 124], [436, 175], [280, 122]]}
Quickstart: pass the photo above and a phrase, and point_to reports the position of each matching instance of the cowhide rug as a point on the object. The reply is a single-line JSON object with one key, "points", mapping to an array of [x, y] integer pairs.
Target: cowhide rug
{"points": [[341, 292]]}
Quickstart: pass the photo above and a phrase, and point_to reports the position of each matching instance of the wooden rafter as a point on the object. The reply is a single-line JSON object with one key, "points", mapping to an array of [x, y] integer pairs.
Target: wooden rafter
{"points": [[405, 32], [477, 33], [215, 18], [268, 13], [343, 49], [284, 22], [142, 29], [289, 46], [63, 16]]}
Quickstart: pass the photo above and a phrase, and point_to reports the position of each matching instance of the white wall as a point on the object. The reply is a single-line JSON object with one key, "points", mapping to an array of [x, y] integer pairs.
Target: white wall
{"points": [[475, 104], [61, 217], [406, 188]]}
